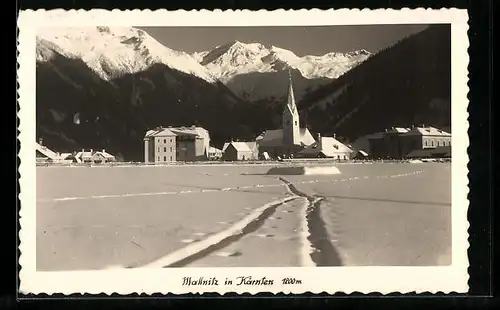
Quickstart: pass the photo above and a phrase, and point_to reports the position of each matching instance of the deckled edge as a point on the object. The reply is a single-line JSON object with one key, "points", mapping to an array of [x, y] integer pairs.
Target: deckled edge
{"points": [[68, 14]]}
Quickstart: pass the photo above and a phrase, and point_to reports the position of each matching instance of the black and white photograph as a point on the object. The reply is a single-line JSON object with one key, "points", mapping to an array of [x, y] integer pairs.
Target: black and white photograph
{"points": [[184, 148]]}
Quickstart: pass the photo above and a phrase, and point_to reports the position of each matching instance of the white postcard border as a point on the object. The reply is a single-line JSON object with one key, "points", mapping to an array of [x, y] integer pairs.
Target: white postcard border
{"points": [[316, 280]]}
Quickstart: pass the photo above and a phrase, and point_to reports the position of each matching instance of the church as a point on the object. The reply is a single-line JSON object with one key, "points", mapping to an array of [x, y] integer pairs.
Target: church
{"points": [[291, 138]]}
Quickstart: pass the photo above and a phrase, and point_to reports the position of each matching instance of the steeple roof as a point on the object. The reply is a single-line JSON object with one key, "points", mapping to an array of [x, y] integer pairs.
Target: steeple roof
{"points": [[291, 98]]}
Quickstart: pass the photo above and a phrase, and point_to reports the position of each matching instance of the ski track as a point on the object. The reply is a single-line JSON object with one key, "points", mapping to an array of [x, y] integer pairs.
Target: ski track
{"points": [[314, 237], [218, 241], [226, 189]]}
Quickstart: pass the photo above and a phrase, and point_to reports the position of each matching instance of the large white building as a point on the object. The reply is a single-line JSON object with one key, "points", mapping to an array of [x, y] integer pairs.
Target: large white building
{"points": [[172, 144]]}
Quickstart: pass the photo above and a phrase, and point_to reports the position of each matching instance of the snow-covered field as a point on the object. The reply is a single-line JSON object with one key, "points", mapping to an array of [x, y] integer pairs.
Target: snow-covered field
{"points": [[214, 215]]}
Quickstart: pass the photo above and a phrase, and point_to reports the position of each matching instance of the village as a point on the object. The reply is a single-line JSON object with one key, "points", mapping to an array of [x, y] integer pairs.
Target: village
{"points": [[164, 145]]}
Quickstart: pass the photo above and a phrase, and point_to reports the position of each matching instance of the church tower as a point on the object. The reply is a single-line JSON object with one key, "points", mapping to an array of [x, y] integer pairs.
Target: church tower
{"points": [[291, 126]]}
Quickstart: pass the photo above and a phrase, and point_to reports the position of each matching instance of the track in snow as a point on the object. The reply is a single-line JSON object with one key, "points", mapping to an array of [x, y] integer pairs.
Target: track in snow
{"points": [[220, 240], [323, 252]]}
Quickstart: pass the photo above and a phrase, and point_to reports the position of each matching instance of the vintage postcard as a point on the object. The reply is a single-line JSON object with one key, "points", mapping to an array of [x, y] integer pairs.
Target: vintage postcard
{"points": [[243, 151]]}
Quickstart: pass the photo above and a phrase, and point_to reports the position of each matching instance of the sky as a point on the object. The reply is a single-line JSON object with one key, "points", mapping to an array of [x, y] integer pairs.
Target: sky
{"points": [[315, 40]]}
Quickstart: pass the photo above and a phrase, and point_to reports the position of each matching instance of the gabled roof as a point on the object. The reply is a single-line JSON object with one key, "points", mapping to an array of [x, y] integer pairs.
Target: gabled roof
{"points": [[332, 145], [160, 132], [105, 154], [82, 154], [328, 146], [274, 138], [241, 146], [195, 131]]}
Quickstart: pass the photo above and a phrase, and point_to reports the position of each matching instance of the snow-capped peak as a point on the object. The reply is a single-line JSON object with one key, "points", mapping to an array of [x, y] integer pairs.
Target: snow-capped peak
{"points": [[254, 70], [237, 58], [115, 51]]}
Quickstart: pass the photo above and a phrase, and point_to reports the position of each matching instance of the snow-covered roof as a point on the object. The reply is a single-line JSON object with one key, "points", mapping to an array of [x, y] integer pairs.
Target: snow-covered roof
{"points": [[273, 138], [178, 131], [428, 131], [192, 130], [363, 152], [328, 146], [241, 146], [159, 132], [83, 154], [214, 150], [46, 151], [105, 154], [332, 145], [398, 130]]}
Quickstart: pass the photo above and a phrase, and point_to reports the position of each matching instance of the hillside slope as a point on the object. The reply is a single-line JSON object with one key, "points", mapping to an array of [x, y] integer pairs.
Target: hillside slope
{"points": [[408, 83], [76, 108]]}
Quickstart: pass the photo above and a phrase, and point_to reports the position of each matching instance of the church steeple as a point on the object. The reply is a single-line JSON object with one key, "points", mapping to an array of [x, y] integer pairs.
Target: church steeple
{"points": [[291, 97], [291, 126]]}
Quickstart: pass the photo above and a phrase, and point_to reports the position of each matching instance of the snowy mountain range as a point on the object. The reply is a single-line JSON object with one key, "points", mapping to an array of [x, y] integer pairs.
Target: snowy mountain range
{"points": [[255, 71], [252, 71], [112, 52]]}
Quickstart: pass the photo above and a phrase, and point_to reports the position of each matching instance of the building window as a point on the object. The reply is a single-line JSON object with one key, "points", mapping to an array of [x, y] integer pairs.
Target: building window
{"points": [[432, 143], [165, 149], [295, 122], [164, 140], [170, 139], [438, 144], [170, 149], [159, 150], [158, 158], [425, 142], [164, 158], [170, 158]]}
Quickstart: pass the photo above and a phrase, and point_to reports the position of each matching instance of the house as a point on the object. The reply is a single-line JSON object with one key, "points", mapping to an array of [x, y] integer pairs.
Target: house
{"points": [[398, 142], [176, 144], [290, 138], [240, 151], [327, 147], [84, 156], [214, 153], [103, 157], [92, 157], [160, 146]]}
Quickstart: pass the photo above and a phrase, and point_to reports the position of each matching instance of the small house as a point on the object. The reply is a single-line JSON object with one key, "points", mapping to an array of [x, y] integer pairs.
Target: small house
{"points": [[240, 151]]}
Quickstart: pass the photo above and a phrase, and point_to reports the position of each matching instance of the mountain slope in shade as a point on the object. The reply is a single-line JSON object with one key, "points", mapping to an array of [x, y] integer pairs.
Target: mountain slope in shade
{"points": [[76, 108], [408, 83], [114, 52], [251, 70]]}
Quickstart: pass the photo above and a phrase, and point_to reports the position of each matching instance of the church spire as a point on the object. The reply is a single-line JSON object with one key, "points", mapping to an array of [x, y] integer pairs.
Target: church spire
{"points": [[291, 97], [291, 126]]}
